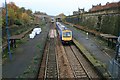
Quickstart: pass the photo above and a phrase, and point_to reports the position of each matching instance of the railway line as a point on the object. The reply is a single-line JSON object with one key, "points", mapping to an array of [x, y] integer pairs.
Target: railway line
{"points": [[51, 64], [48, 67], [76, 66], [80, 65], [91, 72], [64, 61]]}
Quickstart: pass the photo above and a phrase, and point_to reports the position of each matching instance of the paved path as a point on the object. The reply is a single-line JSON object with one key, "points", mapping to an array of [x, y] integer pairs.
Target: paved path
{"points": [[23, 55]]}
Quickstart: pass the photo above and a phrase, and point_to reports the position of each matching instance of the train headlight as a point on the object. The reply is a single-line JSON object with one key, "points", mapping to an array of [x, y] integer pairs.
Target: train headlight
{"points": [[119, 39]]}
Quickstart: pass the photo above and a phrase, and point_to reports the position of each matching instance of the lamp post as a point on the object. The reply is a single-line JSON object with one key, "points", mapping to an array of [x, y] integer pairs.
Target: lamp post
{"points": [[7, 31]]}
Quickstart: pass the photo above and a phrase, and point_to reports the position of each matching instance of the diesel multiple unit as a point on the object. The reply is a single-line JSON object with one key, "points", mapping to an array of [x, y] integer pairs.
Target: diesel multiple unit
{"points": [[64, 33]]}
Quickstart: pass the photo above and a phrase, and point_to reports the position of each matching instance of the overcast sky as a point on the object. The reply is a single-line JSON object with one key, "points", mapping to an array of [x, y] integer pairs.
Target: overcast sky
{"points": [[55, 7]]}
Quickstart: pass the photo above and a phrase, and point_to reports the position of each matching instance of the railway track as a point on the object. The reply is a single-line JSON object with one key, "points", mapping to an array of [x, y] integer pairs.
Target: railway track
{"points": [[51, 63], [80, 66], [90, 70], [49, 68], [76, 66], [64, 62]]}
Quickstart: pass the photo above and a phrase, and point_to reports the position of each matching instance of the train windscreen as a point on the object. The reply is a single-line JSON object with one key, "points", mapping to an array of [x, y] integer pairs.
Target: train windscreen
{"points": [[66, 34]]}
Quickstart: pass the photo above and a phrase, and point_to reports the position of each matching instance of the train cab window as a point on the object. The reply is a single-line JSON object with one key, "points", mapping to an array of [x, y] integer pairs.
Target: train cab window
{"points": [[66, 34]]}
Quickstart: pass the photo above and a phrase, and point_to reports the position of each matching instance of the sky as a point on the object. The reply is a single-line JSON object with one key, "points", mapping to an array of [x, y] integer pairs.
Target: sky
{"points": [[55, 7]]}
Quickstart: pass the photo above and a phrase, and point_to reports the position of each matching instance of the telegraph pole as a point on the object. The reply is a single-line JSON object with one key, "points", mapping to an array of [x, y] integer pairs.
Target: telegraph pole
{"points": [[7, 31]]}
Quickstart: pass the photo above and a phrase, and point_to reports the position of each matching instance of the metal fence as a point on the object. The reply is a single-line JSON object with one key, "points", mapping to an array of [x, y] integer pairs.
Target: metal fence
{"points": [[114, 69]]}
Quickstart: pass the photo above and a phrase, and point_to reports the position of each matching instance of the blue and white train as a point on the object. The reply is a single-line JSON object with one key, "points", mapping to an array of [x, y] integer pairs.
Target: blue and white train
{"points": [[64, 33]]}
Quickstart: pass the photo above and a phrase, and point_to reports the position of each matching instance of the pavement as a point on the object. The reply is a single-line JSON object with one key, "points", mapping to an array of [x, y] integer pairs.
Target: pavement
{"points": [[24, 54], [92, 46]]}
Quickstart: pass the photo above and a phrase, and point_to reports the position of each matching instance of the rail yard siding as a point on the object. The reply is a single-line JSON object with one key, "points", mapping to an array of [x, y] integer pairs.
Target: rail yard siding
{"points": [[105, 23]]}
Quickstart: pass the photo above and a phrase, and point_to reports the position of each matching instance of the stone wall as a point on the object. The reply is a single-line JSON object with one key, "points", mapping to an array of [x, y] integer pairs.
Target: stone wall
{"points": [[103, 21]]}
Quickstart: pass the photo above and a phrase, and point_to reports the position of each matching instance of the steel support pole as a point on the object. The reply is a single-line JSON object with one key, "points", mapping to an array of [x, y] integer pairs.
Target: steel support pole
{"points": [[7, 31]]}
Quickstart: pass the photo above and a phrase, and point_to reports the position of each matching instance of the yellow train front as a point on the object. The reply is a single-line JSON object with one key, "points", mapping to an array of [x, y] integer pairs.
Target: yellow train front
{"points": [[66, 36]]}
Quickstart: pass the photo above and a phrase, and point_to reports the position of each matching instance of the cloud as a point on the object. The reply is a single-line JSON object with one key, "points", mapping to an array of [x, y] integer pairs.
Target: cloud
{"points": [[54, 7]]}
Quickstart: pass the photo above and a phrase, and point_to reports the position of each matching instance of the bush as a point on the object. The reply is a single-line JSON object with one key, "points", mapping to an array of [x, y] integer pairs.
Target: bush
{"points": [[18, 22]]}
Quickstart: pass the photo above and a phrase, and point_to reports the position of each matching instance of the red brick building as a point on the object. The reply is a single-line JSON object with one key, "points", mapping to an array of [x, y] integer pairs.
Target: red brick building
{"points": [[105, 7]]}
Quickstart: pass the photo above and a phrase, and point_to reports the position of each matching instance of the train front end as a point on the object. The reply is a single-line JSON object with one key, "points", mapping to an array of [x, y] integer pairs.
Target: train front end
{"points": [[66, 36]]}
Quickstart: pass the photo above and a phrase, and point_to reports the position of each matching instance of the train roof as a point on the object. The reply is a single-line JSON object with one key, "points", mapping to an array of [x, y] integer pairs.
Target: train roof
{"points": [[61, 27]]}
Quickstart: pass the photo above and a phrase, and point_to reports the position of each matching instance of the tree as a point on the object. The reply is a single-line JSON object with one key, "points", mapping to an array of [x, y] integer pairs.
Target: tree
{"points": [[3, 17], [29, 12], [22, 9], [25, 17], [16, 15], [0, 17], [11, 16]]}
